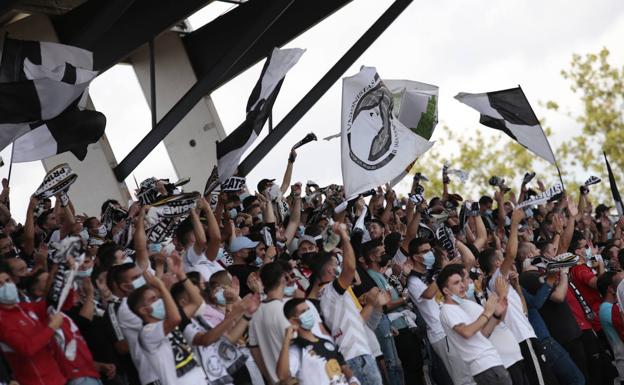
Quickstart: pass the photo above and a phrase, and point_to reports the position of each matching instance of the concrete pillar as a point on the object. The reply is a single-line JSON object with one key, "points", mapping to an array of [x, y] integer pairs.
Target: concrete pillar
{"points": [[191, 145], [96, 181]]}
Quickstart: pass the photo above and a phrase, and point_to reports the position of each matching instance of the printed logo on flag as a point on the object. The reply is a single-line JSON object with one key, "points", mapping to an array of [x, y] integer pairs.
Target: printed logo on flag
{"points": [[375, 143]]}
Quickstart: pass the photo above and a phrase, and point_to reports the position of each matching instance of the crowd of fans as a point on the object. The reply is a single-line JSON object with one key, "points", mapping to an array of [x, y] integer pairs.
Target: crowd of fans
{"points": [[291, 284]]}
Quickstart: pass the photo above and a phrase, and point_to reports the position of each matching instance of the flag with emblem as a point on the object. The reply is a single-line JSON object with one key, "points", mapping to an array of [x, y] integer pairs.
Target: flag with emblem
{"points": [[376, 145]]}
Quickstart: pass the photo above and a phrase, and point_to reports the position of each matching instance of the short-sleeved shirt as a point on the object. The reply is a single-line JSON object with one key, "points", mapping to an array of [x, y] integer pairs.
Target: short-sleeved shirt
{"points": [[428, 307], [130, 326], [170, 356], [344, 321], [515, 319], [200, 263], [316, 363], [580, 276], [477, 351], [266, 331]]}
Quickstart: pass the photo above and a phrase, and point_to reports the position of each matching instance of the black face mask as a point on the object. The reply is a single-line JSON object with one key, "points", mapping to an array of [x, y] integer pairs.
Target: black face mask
{"points": [[308, 258]]}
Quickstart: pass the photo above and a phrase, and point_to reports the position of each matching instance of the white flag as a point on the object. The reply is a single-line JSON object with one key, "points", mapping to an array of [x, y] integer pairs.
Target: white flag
{"points": [[376, 146]]}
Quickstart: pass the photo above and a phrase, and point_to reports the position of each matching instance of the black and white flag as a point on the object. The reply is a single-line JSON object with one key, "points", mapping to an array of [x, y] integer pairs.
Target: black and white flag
{"points": [[231, 149], [510, 111], [377, 147], [549, 195], [73, 130], [614, 189], [42, 88]]}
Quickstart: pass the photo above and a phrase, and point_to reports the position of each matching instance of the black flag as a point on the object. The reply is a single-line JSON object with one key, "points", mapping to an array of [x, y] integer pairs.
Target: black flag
{"points": [[614, 190]]}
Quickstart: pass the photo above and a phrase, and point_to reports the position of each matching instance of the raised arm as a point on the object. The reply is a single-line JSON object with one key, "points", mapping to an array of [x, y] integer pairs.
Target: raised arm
{"points": [[288, 173], [559, 294], [213, 234], [568, 233], [200, 236], [412, 230], [481, 240], [140, 240], [295, 214], [348, 257], [29, 227], [172, 315], [283, 364], [512, 243]]}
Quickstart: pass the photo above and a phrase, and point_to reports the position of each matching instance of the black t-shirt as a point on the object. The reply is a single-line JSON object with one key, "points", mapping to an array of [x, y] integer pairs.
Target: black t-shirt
{"points": [[366, 284], [557, 316], [242, 272]]}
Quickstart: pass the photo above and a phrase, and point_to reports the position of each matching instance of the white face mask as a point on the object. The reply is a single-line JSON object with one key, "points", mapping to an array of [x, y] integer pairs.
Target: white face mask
{"points": [[274, 192]]}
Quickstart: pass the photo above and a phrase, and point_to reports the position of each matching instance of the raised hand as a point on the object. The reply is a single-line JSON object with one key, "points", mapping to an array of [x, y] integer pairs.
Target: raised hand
{"points": [[490, 304], [501, 287]]}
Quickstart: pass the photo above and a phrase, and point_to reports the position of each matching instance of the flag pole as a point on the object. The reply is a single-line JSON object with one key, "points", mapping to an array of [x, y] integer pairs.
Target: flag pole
{"points": [[545, 137], [11, 162]]}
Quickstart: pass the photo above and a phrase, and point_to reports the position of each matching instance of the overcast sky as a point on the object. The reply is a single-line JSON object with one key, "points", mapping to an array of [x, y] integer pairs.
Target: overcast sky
{"points": [[471, 46]]}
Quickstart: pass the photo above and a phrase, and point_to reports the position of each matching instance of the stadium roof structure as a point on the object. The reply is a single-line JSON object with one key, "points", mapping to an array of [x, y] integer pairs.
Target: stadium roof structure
{"points": [[218, 51]]}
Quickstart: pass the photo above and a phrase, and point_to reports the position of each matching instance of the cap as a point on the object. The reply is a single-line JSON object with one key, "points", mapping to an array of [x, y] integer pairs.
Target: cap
{"points": [[240, 243], [306, 238], [602, 208], [262, 185]]}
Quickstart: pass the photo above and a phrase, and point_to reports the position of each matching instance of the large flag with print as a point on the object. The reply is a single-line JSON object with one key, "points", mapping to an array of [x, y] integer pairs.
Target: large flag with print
{"points": [[43, 87], [614, 189], [231, 149], [510, 111], [376, 146]]}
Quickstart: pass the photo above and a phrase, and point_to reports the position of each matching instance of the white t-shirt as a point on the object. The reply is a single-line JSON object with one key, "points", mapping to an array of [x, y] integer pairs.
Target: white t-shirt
{"points": [[477, 351], [316, 364], [428, 307], [515, 319], [266, 331], [502, 339], [200, 263], [344, 321], [130, 326], [158, 349]]}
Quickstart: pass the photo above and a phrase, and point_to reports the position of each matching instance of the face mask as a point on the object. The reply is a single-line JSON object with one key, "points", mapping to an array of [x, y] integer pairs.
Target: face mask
{"points": [[488, 213], [429, 259], [308, 257], [274, 192], [307, 320], [529, 213], [457, 299], [301, 230], [259, 261], [220, 296], [84, 234], [101, 231], [8, 294], [259, 217], [471, 291], [158, 309], [84, 273], [337, 270], [139, 282], [588, 254], [289, 291], [233, 213], [154, 248], [220, 254]]}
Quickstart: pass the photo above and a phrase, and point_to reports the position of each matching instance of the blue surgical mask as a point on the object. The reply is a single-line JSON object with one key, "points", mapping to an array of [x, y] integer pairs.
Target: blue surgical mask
{"points": [[259, 261], [139, 282], [429, 259], [8, 294], [488, 213], [154, 248], [337, 270], [457, 299], [289, 291], [307, 320], [301, 230], [84, 273], [588, 253], [233, 213], [220, 296], [471, 291], [84, 234], [220, 254], [158, 309]]}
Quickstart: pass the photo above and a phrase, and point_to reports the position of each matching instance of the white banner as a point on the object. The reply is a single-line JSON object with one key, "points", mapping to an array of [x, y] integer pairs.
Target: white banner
{"points": [[544, 197], [376, 146]]}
